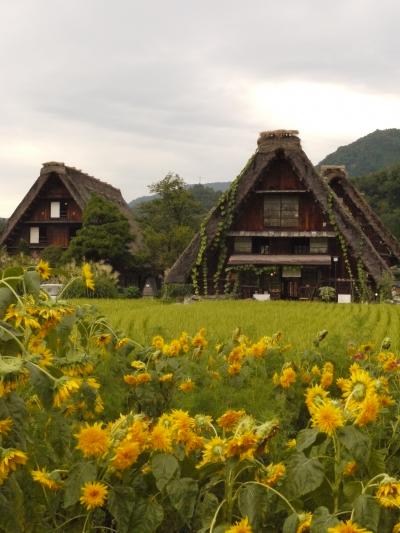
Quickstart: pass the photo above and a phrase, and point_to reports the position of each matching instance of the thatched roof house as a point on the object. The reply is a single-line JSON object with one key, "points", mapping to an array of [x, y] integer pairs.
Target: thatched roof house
{"points": [[51, 211], [288, 226]]}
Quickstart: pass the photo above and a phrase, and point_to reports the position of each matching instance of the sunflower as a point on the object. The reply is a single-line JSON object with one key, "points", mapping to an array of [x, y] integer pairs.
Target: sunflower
{"points": [[160, 439], [187, 385], [158, 342], [103, 339], [87, 275], [126, 455], [230, 418], [388, 493], [243, 446], [234, 369], [9, 460], [130, 379], [44, 270], [139, 365], [94, 494], [45, 479], [93, 440], [198, 340], [142, 378], [315, 396], [274, 472], [166, 377], [359, 385], [213, 452], [350, 468], [348, 527], [327, 417], [64, 390], [305, 523], [287, 378], [368, 410], [5, 425], [242, 526]]}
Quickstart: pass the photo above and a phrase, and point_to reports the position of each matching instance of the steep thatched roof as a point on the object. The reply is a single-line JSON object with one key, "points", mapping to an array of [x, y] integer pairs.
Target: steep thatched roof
{"points": [[286, 144], [336, 177], [81, 186]]}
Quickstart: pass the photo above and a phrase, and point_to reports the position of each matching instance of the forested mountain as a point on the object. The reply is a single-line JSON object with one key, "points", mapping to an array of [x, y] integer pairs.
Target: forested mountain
{"points": [[371, 153]]}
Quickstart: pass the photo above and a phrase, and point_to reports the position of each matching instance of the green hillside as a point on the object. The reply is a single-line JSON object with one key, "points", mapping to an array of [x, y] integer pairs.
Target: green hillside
{"points": [[371, 153], [382, 191]]}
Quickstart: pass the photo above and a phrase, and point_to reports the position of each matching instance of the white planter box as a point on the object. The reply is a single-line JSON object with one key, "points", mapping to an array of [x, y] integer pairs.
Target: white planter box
{"points": [[262, 297], [344, 298]]}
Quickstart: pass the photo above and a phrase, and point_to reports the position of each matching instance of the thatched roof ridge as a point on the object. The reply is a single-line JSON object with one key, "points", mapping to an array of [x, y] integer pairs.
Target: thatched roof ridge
{"points": [[271, 145], [337, 173], [81, 186]]}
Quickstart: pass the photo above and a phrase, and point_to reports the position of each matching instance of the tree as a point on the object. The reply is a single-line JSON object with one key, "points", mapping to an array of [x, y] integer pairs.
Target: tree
{"points": [[105, 234], [169, 221]]}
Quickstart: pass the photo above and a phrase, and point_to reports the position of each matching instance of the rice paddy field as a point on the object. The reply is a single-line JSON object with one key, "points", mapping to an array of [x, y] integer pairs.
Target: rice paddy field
{"points": [[298, 321]]}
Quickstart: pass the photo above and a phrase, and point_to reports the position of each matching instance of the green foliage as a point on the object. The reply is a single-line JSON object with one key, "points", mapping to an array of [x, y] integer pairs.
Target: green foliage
{"points": [[105, 235], [54, 255], [132, 292], [382, 192], [327, 294], [169, 221], [104, 288], [176, 291], [371, 153]]}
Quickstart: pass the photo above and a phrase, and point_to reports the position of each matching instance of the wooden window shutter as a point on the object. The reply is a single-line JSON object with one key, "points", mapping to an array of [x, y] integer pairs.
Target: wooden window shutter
{"points": [[289, 211], [272, 210], [242, 245], [281, 211]]}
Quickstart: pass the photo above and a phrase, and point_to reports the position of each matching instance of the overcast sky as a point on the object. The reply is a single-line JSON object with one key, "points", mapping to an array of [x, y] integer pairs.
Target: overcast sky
{"points": [[128, 90]]}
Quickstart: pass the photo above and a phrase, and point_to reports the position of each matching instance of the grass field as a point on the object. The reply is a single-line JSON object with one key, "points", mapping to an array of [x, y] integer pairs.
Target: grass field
{"points": [[299, 321]]}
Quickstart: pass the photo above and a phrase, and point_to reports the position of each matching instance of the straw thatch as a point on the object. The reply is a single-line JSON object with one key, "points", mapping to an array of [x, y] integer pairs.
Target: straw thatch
{"points": [[286, 144]]}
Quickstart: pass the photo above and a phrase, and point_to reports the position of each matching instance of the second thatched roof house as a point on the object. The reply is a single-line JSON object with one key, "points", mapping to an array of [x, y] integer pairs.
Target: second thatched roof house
{"points": [[51, 212], [286, 230]]}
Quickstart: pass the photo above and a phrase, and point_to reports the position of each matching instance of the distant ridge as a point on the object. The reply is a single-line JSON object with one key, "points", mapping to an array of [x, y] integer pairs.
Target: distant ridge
{"points": [[216, 186], [371, 153]]}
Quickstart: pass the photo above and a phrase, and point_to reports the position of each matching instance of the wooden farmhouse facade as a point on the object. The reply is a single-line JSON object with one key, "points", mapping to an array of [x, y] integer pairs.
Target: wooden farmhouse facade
{"points": [[285, 230], [51, 212]]}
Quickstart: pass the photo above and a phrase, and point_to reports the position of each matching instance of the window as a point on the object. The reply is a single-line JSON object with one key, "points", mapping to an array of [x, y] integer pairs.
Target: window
{"points": [[34, 235], [319, 245], [54, 209], [281, 210], [243, 245], [64, 210]]}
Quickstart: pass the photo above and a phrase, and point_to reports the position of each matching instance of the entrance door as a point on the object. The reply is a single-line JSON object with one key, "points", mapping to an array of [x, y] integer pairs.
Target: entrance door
{"points": [[290, 288]]}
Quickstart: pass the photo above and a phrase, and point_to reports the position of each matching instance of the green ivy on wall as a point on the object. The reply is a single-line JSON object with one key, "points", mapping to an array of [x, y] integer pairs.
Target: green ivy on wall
{"points": [[225, 210]]}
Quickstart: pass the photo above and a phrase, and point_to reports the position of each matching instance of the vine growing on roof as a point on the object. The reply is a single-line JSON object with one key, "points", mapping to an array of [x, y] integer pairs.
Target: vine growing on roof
{"points": [[341, 239], [225, 212]]}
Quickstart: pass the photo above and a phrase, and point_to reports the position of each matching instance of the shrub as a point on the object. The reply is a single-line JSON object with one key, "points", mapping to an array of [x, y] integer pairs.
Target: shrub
{"points": [[104, 288], [132, 292], [53, 255], [327, 294], [176, 291]]}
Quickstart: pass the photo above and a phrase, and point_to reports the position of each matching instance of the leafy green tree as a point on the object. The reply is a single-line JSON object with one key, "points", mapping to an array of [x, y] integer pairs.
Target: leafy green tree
{"points": [[382, 192], [105, 234], [169, 221]]}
